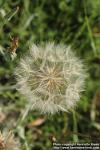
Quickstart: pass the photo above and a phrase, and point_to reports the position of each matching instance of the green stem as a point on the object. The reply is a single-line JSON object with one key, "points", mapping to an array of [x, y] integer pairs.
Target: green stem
{"points": [[75, 137]]}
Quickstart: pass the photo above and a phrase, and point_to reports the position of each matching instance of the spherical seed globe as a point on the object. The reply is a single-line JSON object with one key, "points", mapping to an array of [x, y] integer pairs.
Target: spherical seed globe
{"points": [[51, 77]]}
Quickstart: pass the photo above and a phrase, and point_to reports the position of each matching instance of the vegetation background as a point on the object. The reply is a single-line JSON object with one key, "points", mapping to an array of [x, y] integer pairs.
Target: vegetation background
{"points": [[75, 22]]}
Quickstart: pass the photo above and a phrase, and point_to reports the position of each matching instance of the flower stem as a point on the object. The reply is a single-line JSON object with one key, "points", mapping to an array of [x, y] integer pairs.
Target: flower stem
{"points": [[75, 137]]}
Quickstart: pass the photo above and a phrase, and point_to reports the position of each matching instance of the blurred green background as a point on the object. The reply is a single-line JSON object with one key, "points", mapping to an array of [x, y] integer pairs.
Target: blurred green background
{"points": [[74, 22]]}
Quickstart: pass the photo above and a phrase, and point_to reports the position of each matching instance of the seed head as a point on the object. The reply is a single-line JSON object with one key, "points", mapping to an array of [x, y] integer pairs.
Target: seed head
{"points": [[51, 77]]}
